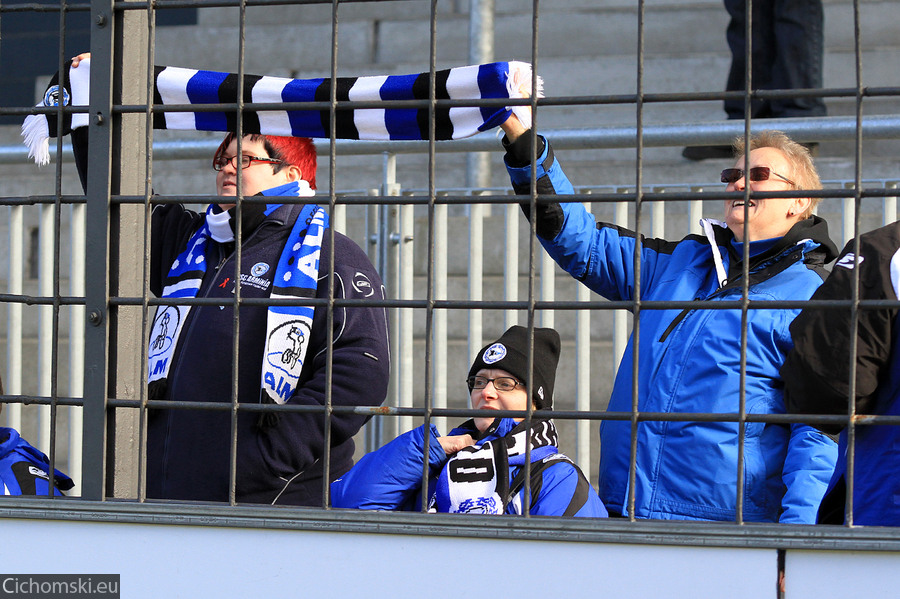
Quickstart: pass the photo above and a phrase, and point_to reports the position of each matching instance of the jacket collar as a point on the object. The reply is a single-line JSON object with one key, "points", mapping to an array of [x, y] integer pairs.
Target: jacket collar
{"points": [[810, 236]]}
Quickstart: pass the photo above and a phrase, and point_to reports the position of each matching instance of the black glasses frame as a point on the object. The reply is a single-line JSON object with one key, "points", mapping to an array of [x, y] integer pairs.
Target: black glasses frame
{"points": [[472, 380], [219, 162]]}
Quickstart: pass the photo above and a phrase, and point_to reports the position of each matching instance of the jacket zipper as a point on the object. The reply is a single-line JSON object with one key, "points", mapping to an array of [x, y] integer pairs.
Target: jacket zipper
{"points": [[729, 284], [176, 352]]}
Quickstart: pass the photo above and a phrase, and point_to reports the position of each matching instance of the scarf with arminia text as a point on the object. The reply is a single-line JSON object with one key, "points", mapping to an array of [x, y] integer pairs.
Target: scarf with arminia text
{"points": [[476, 480], [174, 86], [296, 276]]}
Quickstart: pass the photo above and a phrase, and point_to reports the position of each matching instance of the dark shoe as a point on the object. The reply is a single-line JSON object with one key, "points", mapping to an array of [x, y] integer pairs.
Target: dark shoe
{"points": [[707, 152]]}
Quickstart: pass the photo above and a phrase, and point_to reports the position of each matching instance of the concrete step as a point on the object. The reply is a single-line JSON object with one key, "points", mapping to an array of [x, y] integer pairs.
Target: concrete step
{"points": [[297, 39]]}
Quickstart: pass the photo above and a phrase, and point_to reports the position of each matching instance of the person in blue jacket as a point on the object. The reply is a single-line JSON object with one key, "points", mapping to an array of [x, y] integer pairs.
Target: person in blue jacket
{"points": [[478, 467], [23, 469], [690, 358]]}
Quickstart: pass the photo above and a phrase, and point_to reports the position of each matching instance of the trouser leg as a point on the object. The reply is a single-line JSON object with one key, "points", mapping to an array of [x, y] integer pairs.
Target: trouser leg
{"points": [[764, 50], [798, 36]]}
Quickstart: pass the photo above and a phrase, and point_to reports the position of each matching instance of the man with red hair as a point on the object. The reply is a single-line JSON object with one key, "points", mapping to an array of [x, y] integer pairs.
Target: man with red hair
{"points": [[281, 349]]}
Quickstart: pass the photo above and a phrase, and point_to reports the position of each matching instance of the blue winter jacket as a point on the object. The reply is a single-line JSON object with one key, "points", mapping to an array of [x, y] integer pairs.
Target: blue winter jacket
{"points": [[690, 361], [390, 478], [23, 469]]}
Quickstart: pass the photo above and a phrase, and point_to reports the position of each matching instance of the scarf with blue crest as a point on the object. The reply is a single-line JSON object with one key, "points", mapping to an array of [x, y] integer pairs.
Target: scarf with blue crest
{"points": [[296, 276], [477, 479]]}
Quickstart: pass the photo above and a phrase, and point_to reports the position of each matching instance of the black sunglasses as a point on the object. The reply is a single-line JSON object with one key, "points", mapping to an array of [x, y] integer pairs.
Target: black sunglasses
{"points": [[757, 173]]}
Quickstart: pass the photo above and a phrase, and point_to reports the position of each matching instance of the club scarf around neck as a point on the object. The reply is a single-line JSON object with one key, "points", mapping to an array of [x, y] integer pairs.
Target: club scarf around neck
{"points": [[288, 327], [476, 479], [176, 86]]}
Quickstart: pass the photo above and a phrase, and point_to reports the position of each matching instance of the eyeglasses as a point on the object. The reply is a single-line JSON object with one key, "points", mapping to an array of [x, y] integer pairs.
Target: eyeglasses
{"points": [[757, 173], [501, 383], [219, 162]]}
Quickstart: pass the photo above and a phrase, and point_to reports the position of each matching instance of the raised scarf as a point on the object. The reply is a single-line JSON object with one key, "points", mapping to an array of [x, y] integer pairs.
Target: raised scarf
{"points": [[288, 327], [180, 86]]}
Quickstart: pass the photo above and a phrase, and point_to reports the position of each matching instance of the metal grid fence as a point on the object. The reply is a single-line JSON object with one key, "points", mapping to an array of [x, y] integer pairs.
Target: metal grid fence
{"points": [[104, 383]]}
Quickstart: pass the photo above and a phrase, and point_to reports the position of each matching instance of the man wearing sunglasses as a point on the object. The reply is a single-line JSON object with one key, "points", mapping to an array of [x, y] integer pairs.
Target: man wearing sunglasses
{"points": [[691, 358], [284, 350]]}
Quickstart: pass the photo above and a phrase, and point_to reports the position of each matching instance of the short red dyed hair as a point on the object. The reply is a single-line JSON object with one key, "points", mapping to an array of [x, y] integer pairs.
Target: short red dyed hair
{"points": [[296, 151]]}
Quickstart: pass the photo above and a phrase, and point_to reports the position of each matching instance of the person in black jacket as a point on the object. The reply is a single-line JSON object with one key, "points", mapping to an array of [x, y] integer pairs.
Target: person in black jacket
{"points": [[817, 374], [284, 350], [279, 455]]}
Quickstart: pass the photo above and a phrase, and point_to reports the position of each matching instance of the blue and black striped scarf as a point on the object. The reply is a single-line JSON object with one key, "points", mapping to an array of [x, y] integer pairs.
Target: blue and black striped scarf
{"points": [[175, 86]]}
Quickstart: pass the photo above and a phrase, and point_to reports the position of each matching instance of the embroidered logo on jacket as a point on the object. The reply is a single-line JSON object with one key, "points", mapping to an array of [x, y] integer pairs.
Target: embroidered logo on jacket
{"points": [[35, 471], [363, 285], [848, 261]]}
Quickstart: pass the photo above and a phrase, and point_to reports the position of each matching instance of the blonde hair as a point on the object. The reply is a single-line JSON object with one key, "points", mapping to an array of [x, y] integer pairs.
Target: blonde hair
{"points": [[803, 171]]}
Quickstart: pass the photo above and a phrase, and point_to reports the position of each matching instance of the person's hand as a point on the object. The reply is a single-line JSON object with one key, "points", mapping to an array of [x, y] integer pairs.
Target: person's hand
{"points": [[76, 60], [453, 444], [513, 128]]}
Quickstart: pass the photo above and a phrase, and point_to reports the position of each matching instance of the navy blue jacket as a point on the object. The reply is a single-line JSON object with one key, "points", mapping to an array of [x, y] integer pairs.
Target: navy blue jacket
{"points": [[390, 478], [817, 375], [690, 361], [279, 460], [23, 469]]}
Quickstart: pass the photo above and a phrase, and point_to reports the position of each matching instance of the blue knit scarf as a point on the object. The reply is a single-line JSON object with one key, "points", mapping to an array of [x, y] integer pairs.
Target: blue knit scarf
{"points": [[288, 327], [179, 86]]}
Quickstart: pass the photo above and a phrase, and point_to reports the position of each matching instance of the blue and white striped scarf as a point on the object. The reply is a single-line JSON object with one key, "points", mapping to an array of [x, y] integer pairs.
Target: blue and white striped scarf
{"points": [[180, 86], [288, 327]]}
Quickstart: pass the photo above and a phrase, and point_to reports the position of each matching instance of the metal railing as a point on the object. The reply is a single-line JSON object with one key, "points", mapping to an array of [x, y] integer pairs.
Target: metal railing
{"points": [[391, 219], [391, 233]]}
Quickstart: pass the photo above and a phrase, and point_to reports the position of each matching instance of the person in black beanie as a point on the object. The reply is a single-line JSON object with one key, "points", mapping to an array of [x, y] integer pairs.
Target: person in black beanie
{"points": [[510, 353], [479, 466]]}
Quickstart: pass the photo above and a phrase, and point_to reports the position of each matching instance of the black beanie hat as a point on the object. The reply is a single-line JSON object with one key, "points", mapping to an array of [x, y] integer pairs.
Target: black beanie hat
{"points": [[510, 353]]}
